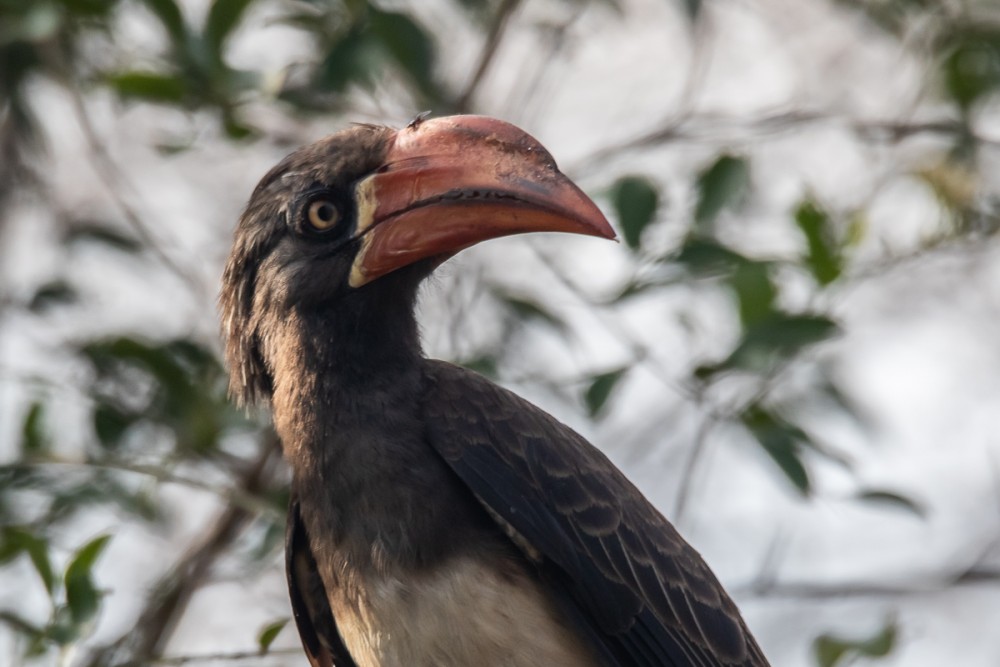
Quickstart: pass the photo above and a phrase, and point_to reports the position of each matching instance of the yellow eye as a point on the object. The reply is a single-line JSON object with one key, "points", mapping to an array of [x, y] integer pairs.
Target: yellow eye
{"points": [[323, 215]]}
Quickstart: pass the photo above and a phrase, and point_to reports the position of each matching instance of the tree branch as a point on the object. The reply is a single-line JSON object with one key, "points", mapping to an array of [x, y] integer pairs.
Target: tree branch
{"points": [[171, 595], [486, 56], [235, 656], [833, 590], [721, 128], [112, 178]]}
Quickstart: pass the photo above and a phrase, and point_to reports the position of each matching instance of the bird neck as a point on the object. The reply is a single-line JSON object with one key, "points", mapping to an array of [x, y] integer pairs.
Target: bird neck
{"points": [[354, 364], [347, 406]]}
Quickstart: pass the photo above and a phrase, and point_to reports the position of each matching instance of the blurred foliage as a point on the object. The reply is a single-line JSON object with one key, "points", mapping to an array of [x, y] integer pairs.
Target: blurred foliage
{"points": [[156, 410], [824, 257], [831, 651], [635, 199], [73, 597], [721, 186], [893, 499], [269, 633], [176, 385], [600, 389]]}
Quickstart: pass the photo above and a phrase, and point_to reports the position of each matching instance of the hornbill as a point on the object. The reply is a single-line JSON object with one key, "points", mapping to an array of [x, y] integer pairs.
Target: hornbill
{"points": [[437, 519]]}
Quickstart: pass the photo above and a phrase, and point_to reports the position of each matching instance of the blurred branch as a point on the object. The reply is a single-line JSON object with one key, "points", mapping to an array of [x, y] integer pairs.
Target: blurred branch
{"points": [[486, 56], [40, 382], [113, 179], [613, 325], [698, 451], [943, 245], [171, 595], [723, 129], [978, 572], [238, 495], [833, 590], [220, 657]]}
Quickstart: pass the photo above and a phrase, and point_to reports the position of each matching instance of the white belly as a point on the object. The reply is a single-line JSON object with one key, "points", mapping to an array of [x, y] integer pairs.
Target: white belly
{"points": [[465, 615]]}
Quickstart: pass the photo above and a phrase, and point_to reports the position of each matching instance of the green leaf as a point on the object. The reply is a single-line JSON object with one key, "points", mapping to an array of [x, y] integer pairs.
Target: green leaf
{"points": [[706, 257], [35, 22], [170, 16], [751, 282], [892, 499], [776, 338], [486, 364], [790, 333], [54, 293], [823, 257], [82, 598], [150, 86], [178, 384], [831, 651], [21, 625], [90, 7], [235, 128], [103, 487], [111, 423], [408, 44], [972, 66], [223, 17], [782, 441], [33, 438], [599, 390], [159, 360], [62, 630], [351, 59], [526, 309], [635, 199], [17, 540], [269, 633], [95, 232], [723, 185], [38, 552]]}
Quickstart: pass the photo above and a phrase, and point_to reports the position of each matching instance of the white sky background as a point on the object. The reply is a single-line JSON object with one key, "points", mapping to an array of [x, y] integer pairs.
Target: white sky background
{"points": [[920, 352]]}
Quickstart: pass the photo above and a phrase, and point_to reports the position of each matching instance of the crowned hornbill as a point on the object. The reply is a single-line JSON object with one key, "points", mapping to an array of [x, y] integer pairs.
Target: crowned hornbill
{"points": [[437, 519]]}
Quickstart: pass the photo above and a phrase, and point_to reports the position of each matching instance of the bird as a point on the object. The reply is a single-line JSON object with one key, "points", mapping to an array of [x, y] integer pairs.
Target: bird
{"points": [[435, 518]]}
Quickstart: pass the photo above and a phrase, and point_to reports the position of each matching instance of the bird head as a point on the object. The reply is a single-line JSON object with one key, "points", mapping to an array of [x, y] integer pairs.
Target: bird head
{"points": [[358, 219]]}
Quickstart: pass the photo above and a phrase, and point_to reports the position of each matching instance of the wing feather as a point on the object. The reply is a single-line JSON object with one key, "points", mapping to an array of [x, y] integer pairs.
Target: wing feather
{"points": [[310, 606], [646, 597]]}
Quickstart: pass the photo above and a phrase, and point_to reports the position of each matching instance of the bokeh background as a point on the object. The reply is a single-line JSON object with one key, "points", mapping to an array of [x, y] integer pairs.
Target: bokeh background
{"points": [[794, 350]]}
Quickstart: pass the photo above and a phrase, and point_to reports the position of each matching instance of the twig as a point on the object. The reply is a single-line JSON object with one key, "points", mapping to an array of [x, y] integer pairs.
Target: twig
{"points": [[486, 56], [215, 657], [614, 326], [237, 496], [112, 178], [698, 449], [171, 595], [554, 42], [714, 127], [826, 591], [110, 175]]}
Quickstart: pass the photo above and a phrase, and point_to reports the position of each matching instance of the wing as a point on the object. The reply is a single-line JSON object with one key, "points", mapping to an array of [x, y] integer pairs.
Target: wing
{"points": [[646, 596], [310, 607]]}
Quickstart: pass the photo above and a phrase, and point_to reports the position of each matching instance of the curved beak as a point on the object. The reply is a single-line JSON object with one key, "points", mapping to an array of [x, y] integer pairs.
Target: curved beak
{"points": [[449, 183]]}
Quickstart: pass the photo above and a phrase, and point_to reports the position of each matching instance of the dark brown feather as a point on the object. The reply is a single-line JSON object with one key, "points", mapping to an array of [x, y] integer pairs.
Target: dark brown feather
{"points": [[651, 597], [310, 607]]}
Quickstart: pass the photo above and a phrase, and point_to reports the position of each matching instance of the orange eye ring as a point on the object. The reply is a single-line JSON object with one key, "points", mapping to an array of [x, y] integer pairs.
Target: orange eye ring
{"points": [[322, 215]]}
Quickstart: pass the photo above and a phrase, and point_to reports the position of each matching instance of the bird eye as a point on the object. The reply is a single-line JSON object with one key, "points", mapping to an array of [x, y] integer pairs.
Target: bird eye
{"points": [[322, 215]]}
